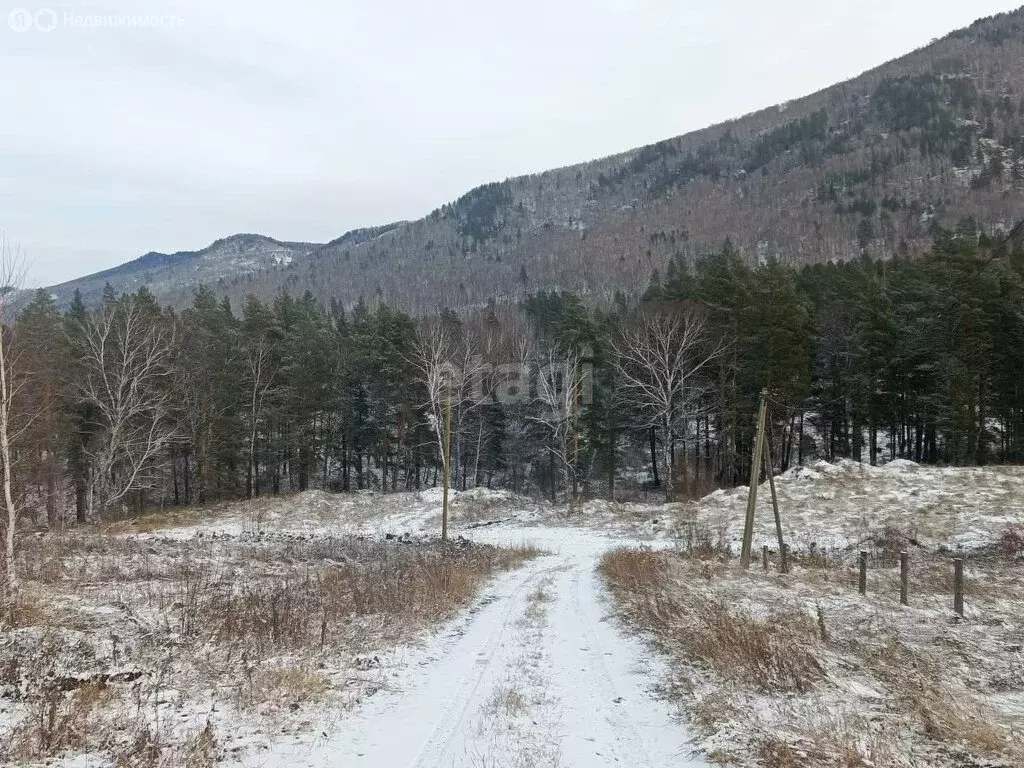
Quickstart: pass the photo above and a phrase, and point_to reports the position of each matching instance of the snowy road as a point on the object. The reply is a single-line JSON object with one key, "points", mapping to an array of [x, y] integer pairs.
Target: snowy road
{"points": [[535, 675]]}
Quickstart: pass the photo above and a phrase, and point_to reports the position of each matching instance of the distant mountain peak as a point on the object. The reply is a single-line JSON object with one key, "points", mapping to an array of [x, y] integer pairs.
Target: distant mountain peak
{"points": [[229, 258], [868, 167]]}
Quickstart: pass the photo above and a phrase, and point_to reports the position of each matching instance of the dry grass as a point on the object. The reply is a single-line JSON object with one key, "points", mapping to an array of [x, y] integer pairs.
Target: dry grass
{"points": [[59, 722], [509, 701], [29, 609], [701, 544], [118, 636], [634, 569], [201, 750], [764, 663], [286, 685], [162, 520], [945, 713], [890, 543], [536, 606], [774, 654], [306, 607], [1011, 542]]}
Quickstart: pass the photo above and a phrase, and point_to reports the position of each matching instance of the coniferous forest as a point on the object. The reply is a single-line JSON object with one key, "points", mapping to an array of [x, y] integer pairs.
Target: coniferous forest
{"points": [[127, 406]]}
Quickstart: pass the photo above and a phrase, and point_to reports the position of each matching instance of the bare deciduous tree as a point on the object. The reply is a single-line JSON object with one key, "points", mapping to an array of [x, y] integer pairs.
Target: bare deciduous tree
{"points": [[512, 342], [659, 358], [261, 374], [452, 374], [560, 383], [12, 271], [126, 379]]}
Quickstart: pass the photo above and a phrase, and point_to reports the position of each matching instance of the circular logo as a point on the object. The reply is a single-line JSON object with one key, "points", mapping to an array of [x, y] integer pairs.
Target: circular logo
{"points": [[20, 20], [46, 20]]}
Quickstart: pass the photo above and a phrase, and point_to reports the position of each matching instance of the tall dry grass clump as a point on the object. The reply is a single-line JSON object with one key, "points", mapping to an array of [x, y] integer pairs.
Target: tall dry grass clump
{"points": [[777, 654], [772, 654], [633, 569]]}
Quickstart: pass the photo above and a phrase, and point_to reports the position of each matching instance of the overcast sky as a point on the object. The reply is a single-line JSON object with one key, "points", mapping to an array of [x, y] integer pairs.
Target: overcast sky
{"points": [[304, 119]]}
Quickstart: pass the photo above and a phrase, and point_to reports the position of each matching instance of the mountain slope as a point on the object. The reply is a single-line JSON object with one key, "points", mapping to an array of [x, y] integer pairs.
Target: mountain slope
{"points": [[227, 259], [866, 167]]}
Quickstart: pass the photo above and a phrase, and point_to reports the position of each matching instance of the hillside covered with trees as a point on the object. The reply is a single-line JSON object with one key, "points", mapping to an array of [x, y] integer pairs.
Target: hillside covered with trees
{"points": [[869, 167]]}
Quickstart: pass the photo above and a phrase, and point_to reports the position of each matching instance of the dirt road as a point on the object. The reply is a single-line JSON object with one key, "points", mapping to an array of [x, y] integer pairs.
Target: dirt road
{"points": [[536, 674]]}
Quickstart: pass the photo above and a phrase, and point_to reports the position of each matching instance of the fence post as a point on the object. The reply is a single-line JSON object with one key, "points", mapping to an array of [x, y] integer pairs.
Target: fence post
{"points": [[785, 558], [904, 578], [764, 557], [958, 586], [863, 582]]}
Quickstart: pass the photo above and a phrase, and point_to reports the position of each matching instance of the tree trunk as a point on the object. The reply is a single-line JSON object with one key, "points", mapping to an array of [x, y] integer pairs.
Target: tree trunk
{"points": [[250, 470], [476, 461], [185, 480], [800, 443], [554, 476], [51, 499], [10, 585], [654, 457], [81, 505], [873, 442], [611, 468], [669, 469], [344, 462]]}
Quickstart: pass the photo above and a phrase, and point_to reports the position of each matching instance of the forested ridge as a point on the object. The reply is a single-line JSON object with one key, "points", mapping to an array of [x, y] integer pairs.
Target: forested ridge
{"points": [[865, 167], [128, 406]]}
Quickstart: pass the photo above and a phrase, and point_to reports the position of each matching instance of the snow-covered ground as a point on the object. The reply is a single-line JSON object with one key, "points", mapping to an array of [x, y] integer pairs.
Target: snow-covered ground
{"points": [[531, 673], [836, 505], [800, 669], [536, 671], [534, 675]]}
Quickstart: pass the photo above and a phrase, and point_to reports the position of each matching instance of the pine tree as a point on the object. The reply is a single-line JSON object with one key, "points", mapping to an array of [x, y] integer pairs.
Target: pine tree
{"points": [[41, 347]]}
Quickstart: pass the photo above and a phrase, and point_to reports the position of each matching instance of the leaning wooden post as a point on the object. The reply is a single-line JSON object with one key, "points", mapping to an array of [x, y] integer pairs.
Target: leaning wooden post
{"points": [[958, 586], [904, 578], [775, 501], [863, 582], [784, 556], [764, 557], [755, 477]]}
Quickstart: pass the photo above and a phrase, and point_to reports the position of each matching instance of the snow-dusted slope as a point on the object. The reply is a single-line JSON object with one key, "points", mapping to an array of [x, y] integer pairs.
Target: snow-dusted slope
{"points": [[226, 259], [834, 505], [831, 505]]}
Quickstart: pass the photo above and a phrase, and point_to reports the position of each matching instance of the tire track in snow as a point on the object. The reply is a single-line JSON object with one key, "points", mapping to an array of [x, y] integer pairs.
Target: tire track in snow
{"points": [[453, 726], [597, 709], [620, 719]]}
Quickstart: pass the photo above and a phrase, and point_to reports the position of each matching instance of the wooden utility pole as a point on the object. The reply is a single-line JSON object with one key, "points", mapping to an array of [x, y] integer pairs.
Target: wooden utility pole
{"points": [[770, 471], [447, 459], [755, 477]]}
